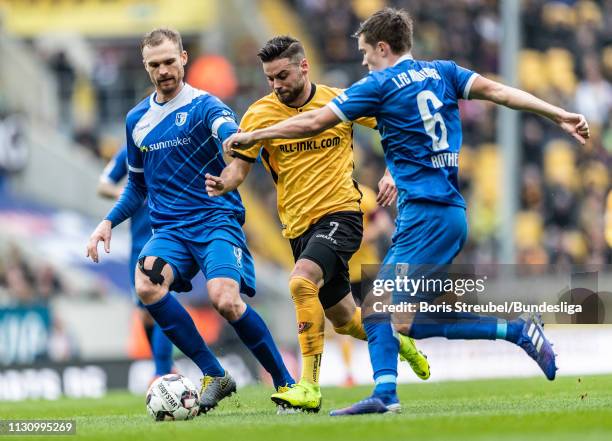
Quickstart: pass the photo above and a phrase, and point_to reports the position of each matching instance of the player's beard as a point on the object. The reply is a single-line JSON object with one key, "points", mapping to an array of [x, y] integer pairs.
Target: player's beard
{"points": [[168, 87], [288, 96]]}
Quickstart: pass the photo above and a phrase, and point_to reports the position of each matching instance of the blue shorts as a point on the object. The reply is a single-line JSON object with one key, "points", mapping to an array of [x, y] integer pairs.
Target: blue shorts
{"points": [[427, 236], [218, 251]]}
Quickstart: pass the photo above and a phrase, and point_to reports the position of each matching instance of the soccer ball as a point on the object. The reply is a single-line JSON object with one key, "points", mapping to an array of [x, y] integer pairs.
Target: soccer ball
{"points": [[172, 397]]}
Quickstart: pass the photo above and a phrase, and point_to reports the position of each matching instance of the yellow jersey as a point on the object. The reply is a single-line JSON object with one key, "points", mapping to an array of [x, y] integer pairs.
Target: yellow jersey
{"points": [[367, 253], [313, 176]]}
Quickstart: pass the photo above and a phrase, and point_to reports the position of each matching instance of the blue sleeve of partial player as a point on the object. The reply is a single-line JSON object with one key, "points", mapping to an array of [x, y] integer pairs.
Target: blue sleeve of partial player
{"points": [[458, 78], [219, 118], [361, 99], [135, 191], [131, 199], [117, 168]]}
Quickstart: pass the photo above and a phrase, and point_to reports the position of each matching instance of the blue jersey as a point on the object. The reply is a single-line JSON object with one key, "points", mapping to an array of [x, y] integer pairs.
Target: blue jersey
{"points": [[140, 225], [170, 148], [416, 107]]}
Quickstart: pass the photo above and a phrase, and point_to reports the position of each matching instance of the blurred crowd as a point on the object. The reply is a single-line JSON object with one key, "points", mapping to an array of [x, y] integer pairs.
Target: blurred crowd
{"points": [[566, 58], [24, 283], [96, 85], [13, 146]]}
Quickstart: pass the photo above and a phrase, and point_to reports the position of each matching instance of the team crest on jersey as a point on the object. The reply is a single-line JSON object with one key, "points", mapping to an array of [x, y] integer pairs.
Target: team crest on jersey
{"points": [[181, 118], [401, 269], [304, 326], [238, 254]]}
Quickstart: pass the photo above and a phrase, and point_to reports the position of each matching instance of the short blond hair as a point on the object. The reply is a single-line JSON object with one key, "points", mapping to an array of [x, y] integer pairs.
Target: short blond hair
{"points": [[159, 35]]}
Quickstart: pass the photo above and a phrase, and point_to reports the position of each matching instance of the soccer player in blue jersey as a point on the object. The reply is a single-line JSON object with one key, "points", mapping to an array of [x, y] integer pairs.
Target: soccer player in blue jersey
{"points": [[415, 105], [109, 186], [173, 139]]}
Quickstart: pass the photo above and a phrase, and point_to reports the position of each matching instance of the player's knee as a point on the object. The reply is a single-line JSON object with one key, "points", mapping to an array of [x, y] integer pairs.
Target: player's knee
{"points": [[231, 307], [309, 270], [226, 299], [300, 286], [402, 328], [152, 278], [339, 316], [147, 291]]}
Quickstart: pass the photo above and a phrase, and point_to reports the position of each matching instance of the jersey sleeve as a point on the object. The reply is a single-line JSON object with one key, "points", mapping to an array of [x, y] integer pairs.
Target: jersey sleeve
{"points": [[361, 99], [219, 118], [250, 121], [134, 155], [135, 191], [458, 78], [117, 168]]}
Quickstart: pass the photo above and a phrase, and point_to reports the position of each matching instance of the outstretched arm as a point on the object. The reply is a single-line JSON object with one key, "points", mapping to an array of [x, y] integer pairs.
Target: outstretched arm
{"points": [[303, 125], [231, 177], [572, 123]]}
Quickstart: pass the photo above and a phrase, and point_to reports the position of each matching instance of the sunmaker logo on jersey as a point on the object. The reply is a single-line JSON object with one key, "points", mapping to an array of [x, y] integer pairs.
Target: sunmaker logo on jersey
{"points": [[176, 142], [315, 144]]}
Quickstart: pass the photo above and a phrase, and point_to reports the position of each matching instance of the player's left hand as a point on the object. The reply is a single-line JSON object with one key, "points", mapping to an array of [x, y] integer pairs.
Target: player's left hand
{"points": [[214, 185], [239, 140], [387, 191], [576, 125]]}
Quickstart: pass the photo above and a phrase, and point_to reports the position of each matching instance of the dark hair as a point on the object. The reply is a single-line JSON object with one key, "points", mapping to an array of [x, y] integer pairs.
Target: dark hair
{"points": [[159, 35], [393, 26], [283, 46]]}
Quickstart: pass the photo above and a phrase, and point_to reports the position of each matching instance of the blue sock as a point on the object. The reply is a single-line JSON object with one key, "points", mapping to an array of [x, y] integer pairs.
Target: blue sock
{"points": [[178, 326], [510, 331], [162, 351], [254, 333], [460, 326], [383, 347]]}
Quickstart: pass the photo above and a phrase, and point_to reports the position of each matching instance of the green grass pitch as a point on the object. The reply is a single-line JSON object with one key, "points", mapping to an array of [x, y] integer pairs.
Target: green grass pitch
{"points": [[569, 408]]}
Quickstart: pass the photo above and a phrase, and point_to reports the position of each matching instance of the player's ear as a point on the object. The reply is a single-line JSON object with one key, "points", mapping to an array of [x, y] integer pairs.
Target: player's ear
{"points": [[304, 66], [184, 58], [382, 48]]}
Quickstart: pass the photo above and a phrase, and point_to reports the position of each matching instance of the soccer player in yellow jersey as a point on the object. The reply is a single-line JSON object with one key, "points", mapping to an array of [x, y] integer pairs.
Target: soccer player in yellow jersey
{"points": [[318, 205]]}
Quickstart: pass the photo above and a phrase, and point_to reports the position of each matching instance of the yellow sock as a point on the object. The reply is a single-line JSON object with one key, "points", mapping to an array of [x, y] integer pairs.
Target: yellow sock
{"points": [[354, 327], [311, 325], [311, 367], [346, 345]]}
